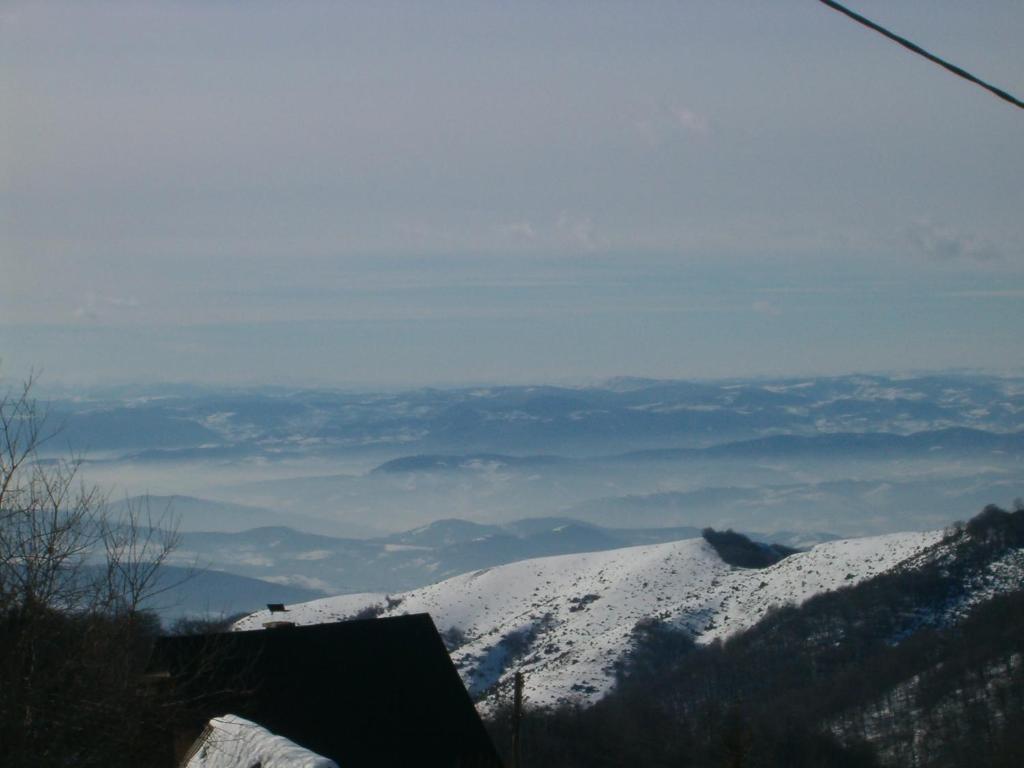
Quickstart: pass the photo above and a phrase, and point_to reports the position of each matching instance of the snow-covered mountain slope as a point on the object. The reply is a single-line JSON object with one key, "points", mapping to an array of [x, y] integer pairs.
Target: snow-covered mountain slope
{"points": [[566, 621]]}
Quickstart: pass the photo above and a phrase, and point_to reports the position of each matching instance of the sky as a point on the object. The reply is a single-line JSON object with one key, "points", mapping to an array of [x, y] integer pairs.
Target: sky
{"points": [[399, 194]]}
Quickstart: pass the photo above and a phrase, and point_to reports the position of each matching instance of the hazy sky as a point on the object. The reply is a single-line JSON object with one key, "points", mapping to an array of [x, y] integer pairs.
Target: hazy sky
{"points": [[407, 193]]}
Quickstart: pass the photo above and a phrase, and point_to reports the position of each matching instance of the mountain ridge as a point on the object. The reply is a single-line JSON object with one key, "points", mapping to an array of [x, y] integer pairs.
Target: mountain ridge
{"points": [[568, 621], [836, 444]]}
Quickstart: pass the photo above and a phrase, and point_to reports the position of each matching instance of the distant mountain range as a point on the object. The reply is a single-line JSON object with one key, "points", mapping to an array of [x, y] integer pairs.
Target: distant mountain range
{"points": [[851, 454], [190, 513], [192, 592], [193, 424], [851, 483], [839, 446], [847, 506]]}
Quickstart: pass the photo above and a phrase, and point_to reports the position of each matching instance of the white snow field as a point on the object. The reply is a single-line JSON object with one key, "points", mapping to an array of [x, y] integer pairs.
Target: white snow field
{"points": [[566, 620], [234, 742]]}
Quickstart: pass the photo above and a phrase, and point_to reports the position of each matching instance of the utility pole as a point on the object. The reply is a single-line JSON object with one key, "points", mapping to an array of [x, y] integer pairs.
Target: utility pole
{"points": [[517, 717]]}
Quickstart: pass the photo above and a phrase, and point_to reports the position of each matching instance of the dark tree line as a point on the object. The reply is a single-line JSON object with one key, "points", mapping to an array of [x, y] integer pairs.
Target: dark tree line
{"points": [[736, 549]]}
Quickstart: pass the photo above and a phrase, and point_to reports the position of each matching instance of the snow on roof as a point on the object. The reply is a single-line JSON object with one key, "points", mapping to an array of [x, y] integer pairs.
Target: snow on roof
{"points": [[234, 742]]}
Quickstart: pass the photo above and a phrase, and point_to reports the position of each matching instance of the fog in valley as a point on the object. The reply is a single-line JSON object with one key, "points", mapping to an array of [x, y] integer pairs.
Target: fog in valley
{"points": [[339, 492]]}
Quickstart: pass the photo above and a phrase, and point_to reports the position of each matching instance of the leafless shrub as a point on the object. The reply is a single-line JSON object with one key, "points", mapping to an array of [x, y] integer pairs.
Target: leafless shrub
{"points": [[74, 578]]}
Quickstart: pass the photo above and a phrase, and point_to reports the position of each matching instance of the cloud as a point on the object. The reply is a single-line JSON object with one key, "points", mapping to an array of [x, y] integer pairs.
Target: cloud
{"points": [[943, 243], [691, 122], [577, 231], [127, 303], [669, 122], [766, 308], [518, 230], [93, 307], [647, 131], [87, 311]]}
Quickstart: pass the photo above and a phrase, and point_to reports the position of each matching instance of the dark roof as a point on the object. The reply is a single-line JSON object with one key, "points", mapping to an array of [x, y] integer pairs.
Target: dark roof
{"points": [[378, 692]]}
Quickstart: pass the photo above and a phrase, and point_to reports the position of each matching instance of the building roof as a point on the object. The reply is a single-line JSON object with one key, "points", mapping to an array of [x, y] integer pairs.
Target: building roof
{"points": [[381, 691]]}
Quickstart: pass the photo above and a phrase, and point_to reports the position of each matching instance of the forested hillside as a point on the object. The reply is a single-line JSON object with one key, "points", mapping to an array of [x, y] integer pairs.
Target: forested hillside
{"points": [[921, 666]]}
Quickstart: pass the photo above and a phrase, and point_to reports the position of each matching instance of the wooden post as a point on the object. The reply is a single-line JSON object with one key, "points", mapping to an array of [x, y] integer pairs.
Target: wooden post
{"points": [[517, 716]]}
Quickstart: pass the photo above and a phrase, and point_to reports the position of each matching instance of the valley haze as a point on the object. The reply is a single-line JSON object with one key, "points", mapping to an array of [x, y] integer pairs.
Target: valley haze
{"points": [[340, 492], [850, 455]]}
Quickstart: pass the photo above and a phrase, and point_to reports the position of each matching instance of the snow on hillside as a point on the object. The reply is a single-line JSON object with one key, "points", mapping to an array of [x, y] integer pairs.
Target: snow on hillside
{"points": [[566, 620]]}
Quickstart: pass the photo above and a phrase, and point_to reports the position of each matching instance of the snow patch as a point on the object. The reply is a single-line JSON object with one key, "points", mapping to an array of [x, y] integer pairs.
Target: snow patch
{"points": [[315, 554], [234, 742]]}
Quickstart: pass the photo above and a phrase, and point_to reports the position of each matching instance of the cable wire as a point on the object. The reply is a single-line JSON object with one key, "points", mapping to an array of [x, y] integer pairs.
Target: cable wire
{"points": [[922, 52]]}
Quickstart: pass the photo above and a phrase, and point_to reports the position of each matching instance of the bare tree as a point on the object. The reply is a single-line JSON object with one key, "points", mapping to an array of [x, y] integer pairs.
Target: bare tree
{"points": [[55, 529], [74, 578]]}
